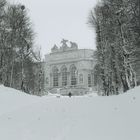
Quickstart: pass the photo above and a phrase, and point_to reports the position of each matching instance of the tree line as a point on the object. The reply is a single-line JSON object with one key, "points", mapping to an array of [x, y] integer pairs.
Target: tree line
{"points": [[20, 65], [117, 26]]}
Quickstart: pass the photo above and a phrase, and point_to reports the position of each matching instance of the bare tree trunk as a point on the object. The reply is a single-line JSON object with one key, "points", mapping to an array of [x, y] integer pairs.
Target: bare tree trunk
{"points": [[130, 75], [11, 76]]}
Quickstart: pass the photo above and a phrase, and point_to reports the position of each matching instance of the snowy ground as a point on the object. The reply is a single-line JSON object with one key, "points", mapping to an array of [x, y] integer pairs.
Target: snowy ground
{"points": [[24, 117]]}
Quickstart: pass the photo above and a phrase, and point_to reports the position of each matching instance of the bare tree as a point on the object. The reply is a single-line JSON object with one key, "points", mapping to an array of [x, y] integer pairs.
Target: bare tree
{"points": [[115, 45]]}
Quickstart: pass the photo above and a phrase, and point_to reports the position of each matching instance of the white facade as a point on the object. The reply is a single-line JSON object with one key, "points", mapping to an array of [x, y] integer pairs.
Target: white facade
{"points": [[69, 68]]}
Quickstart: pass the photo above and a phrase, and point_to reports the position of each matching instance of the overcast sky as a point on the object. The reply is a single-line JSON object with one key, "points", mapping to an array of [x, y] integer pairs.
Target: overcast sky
{"points": [[57, 19]]}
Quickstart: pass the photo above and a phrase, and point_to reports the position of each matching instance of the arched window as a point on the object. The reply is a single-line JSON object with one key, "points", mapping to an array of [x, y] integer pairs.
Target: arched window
{"points": [[73, 75], [81, 78], [89, 80], [55, 77], [64, 76], [47, 80]]}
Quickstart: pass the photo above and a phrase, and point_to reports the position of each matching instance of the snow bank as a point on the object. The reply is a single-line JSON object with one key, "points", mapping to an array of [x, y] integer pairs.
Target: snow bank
{"points": [[11, 99], [27, 117]]}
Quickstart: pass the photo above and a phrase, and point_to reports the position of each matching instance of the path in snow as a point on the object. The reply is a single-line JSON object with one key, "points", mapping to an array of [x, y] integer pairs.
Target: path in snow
{"points": [[27, 117]]}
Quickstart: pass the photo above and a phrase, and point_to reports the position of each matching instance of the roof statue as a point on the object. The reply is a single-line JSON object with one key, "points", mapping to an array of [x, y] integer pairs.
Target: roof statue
{"points": [[55, 48], [64, 47], [64, 44], [73, 45]]}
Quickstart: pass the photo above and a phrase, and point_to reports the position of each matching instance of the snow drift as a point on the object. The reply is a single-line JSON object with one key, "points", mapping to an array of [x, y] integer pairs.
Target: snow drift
{"points": [[27, 117]]}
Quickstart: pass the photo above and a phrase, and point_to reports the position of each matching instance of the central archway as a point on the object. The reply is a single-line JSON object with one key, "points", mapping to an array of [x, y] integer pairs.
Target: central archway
{"points": [[73, 75], [55, 77], [64, 75]]}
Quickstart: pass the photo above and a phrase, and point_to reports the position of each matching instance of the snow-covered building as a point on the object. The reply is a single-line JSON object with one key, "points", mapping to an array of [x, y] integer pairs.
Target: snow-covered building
{"points": [[69, 69]]}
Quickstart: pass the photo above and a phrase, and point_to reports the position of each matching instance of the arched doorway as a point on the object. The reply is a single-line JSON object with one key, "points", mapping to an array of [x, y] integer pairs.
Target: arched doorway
{"points": [[73, 75], [64, 75], [55, 77]]}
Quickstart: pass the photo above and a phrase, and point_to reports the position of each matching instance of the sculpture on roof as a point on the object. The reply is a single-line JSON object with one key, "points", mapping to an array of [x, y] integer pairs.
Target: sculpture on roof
{"points": [[64, 47], [73, 45], [64, 44], [55, 48]]}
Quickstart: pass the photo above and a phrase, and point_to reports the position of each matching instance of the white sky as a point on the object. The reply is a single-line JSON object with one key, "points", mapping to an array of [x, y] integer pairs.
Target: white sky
{"points": [[57, 19]]}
